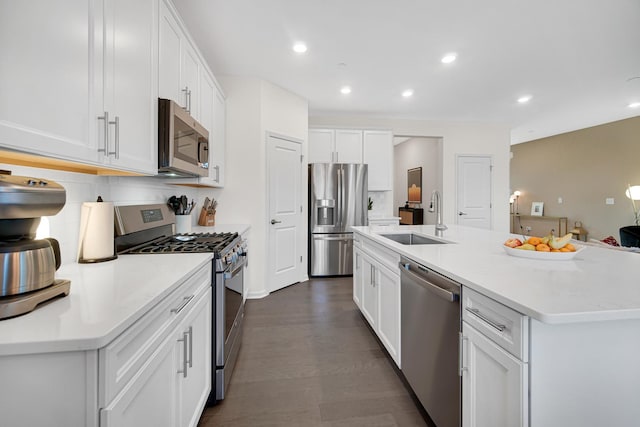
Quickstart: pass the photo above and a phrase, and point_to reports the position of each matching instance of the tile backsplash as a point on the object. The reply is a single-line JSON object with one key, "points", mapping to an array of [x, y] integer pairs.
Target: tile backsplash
{"points": [[382, 204], [80, 188]]}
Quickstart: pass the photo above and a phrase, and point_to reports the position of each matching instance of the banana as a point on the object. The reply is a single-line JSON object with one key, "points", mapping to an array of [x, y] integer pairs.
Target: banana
{"points": [[560, 242]]}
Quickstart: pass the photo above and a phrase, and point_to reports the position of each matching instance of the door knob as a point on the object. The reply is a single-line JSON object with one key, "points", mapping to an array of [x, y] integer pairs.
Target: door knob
{"points": [[273, 221], [462, 213]]}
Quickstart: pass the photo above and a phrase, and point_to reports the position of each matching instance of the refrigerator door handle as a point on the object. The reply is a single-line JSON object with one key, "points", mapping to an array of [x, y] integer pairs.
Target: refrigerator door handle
{"points": [[333, 238], [339, 221]]}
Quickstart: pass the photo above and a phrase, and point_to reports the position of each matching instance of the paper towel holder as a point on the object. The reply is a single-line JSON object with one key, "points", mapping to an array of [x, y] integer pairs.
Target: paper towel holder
{"points": [[81, 259]]}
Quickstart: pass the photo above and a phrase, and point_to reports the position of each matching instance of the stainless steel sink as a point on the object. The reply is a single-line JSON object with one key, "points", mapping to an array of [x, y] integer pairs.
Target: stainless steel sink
{"points": [[412, 239]]}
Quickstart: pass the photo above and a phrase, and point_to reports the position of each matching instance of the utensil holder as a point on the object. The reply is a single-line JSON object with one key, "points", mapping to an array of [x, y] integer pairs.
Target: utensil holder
{"points": [[183, 224]]}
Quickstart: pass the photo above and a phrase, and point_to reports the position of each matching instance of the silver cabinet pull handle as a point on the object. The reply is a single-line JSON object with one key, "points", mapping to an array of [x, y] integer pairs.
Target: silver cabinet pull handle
{"points": [[185, 301], [189, 101], [105, 117], [186, 98], [116, 153], [190, 333], [273, 221], [483, 317], [461, 366], [183, 340], [462, 213], [217, 168]]}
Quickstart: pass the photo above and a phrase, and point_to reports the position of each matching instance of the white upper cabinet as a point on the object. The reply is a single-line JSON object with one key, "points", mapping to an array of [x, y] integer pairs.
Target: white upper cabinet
{"points": [[46, 79], [348, 146], [169, 84], [373, 147], [185, 78], [63, 67], [378, 154], [130, 63], [335, 145], [217, 140], [190, 73], [321, 145]]}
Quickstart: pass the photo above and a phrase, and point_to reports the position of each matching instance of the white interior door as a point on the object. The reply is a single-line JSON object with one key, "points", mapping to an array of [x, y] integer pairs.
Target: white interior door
{"points": [[474, 191], [285, 212]]}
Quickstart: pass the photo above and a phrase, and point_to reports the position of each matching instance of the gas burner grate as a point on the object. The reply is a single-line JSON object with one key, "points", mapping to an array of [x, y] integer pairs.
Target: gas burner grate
{"points": [[188, 243]]}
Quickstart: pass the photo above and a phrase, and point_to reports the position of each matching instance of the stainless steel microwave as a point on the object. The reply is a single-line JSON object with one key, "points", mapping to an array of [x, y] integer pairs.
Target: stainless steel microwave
{"points": [[183, 143]]}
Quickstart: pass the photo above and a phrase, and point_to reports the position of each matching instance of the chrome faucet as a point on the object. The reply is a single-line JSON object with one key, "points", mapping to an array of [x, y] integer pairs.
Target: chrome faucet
{"points": [[436, 205]]}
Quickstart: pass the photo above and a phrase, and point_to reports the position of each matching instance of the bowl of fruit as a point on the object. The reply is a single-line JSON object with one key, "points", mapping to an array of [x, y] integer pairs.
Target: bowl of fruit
{"points": [[548, 247]]}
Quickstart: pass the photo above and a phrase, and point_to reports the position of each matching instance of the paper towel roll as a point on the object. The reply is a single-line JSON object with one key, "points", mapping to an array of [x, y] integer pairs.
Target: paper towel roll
{"points": [[96, 232]]}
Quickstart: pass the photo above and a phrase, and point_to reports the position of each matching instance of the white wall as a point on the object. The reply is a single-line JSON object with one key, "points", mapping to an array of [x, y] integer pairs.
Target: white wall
{"points": [[255, 107], [457, 138]]}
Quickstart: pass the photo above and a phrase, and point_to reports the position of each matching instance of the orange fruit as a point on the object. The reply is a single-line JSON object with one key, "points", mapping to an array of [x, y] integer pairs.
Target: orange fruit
{"points": [[543, 248], [535, 241], [555, 250], [564, 249], [570, 247]]}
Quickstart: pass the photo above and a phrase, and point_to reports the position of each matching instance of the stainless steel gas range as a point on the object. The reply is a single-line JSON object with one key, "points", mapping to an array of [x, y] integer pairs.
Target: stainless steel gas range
{"points": [[149, 229]]}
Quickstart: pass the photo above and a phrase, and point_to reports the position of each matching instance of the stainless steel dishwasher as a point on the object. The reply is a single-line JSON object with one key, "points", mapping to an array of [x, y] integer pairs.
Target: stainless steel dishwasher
{"points": [[430, 324]]}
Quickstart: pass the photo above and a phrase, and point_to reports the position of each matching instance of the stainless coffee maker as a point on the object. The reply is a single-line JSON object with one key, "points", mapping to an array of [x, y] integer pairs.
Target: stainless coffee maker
{"points": [[28, 264]]}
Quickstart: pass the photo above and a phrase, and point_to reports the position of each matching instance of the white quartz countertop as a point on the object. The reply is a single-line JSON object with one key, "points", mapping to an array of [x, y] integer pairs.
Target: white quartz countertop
{"points": [[104, 300], [598, 284]]}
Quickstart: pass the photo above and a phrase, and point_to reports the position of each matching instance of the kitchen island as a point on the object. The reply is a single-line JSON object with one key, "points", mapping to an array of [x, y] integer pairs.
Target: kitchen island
{"points": [[573, 363]]}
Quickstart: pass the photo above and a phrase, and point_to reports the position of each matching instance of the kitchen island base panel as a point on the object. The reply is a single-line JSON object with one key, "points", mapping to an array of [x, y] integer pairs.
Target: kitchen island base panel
{"points": [[585, 374]]}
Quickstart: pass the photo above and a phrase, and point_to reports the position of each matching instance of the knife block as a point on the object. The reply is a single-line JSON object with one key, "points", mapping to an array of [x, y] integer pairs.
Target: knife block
{"points": [[207, 217]]}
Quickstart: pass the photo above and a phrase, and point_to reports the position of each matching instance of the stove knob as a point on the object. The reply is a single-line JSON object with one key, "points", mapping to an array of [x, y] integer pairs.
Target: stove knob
{"points": [[43, 183], [31, 182]]}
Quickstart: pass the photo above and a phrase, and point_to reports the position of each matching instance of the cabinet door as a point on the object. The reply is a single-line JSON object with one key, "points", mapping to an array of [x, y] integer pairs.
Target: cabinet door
{"points": [[378, 154], [130, 83], [169, 56], [47, 79], [149, 399], [217, 141], [494, 384], [321, 145], [190, 71], [388, 284], [369, 292], [348, 146], [194, 387], [357, 277]]}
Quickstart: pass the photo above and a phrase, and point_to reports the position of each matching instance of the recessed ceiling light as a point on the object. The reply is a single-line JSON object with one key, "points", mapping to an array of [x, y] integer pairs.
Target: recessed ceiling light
{"points": [[345, 90], [449, 58], [634, 105], [524, 99], [407, 93], [299, 47]]}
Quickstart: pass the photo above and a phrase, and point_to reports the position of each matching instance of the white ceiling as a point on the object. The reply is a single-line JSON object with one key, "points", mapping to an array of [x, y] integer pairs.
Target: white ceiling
{"points": [[577, 58]]}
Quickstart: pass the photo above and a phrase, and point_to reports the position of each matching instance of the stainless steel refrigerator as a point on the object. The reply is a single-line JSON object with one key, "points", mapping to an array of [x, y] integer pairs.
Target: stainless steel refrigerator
{"points": [[337, 200]]}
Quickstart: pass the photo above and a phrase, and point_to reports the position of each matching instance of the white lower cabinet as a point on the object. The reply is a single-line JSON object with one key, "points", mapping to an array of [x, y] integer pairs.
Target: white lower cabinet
{"points": [[171, 388], [369, 306], [148, 399], [494, 384], [388, 286], [376, 291], [193, 338], [357, 276]]}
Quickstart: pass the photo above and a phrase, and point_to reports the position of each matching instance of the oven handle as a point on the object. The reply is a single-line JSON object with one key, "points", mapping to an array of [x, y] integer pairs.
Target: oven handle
{"points": [[237, 268]]}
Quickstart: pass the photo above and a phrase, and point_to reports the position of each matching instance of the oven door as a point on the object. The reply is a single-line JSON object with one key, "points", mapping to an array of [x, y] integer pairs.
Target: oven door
{"points": [[233, 302], [228, 327]]}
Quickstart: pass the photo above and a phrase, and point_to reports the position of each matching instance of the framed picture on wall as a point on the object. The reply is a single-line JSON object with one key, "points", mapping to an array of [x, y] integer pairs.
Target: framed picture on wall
{"points": [[414, 184], [537, 208]]}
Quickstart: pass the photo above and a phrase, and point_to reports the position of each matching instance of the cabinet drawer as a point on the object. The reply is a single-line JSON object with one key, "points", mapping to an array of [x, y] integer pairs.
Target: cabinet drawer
{"points": [[502, 325], [386, 257], [121, 359]]}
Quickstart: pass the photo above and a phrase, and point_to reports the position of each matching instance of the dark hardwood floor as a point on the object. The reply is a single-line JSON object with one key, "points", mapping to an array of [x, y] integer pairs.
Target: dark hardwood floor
{"points": [[309, 359]]}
